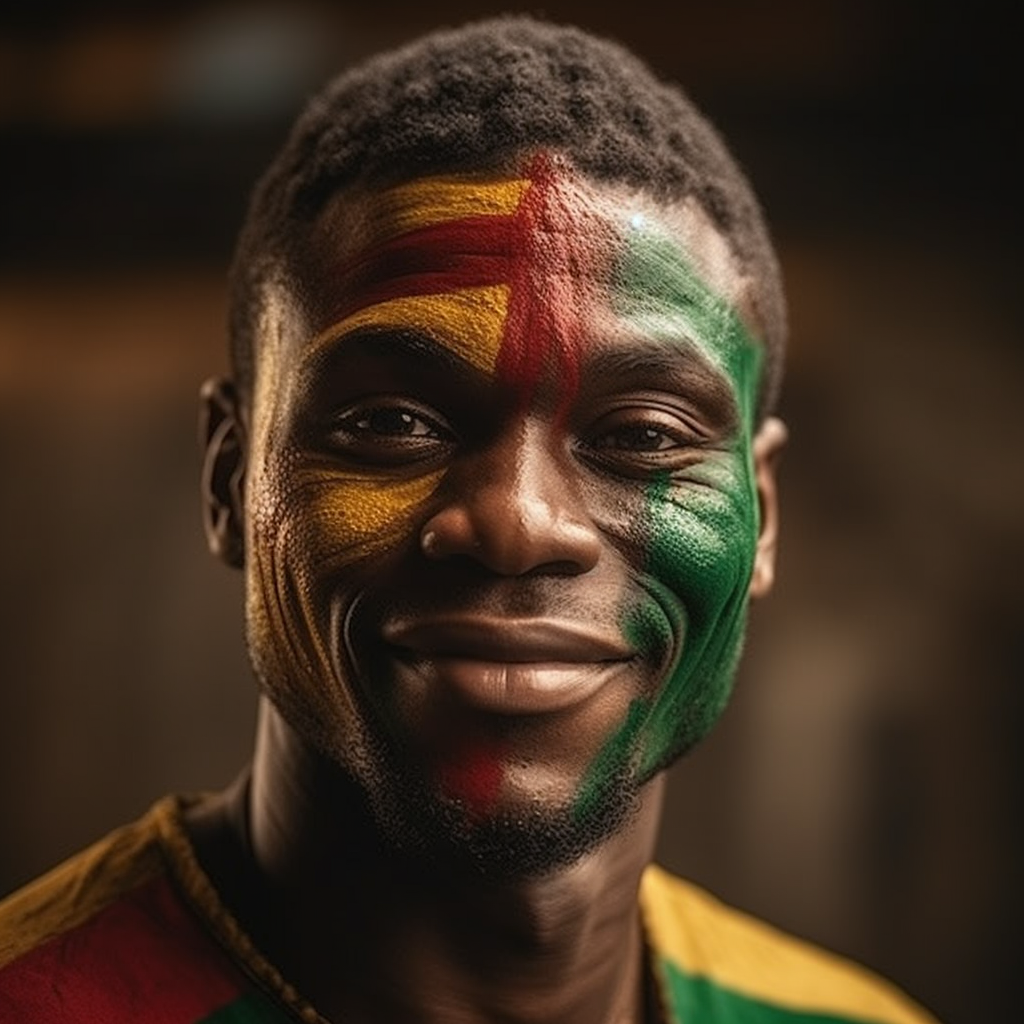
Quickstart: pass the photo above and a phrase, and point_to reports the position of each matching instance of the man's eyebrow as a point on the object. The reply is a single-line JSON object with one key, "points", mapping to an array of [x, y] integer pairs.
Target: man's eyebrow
{"points": [[677, 365], [404, 344], [469, 323]]}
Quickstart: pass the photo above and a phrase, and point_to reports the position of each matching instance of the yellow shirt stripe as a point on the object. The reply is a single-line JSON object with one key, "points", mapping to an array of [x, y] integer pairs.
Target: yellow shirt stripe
{"points": [[739, 953], [74, 891]]}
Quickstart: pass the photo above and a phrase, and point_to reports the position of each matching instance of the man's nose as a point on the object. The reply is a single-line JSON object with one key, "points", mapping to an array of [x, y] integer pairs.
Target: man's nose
{"points": [[515, 508]]}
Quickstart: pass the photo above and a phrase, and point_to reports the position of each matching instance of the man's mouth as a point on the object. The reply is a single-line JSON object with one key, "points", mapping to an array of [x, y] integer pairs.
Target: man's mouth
{"points": [[508, 666]]}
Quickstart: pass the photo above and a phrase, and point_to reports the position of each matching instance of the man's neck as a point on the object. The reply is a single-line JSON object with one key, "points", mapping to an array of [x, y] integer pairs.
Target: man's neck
{"points": [[367, 935]]}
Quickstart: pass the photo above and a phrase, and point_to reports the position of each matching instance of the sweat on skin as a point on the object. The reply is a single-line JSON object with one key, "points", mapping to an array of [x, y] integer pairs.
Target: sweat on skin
{"points": [[554, 289]]}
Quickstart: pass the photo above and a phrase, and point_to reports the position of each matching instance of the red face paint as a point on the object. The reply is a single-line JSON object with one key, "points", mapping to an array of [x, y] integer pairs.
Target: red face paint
{"points": [[530, 280], [472, 775], [553, 257], [550, 252]]}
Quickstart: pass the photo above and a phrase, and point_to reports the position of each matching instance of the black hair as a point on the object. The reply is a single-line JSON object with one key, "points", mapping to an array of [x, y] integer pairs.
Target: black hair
{"points": [[473, 97]]}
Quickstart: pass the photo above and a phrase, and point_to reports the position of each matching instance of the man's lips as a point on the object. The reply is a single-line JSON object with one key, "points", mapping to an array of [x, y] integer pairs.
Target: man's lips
{"points": [[507, 639], [509, 666]]}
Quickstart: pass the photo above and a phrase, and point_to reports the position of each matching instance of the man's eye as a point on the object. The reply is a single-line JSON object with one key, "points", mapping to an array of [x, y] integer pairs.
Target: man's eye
{"points": [[389, 433], [635, 439], [393, 423]]}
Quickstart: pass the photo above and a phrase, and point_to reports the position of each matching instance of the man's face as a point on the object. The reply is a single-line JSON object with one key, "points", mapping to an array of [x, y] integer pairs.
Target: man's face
{"points": [[501, 500]]}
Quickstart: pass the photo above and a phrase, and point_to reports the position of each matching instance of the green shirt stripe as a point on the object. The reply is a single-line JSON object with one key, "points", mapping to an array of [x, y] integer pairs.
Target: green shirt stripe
{"points": [[698, 1000], [250, 1008]]}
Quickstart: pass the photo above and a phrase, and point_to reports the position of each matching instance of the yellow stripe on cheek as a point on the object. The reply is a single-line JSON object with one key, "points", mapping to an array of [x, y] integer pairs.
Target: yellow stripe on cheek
{"points": [[353, 517], [470, 322], [436, 200], [334, 521], [324, 522]]}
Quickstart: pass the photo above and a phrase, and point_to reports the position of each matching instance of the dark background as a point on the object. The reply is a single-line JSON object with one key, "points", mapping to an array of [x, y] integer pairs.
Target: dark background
{"points": [[864, 787]]}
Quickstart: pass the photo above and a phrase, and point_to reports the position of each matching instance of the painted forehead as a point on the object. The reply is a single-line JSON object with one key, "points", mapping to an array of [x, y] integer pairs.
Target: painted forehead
{"points": [[516, 275]]}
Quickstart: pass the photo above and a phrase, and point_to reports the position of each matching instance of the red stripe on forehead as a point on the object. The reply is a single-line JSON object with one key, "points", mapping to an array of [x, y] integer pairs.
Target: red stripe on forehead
{"points": [[444, 257], [541, 251], [544, 328]]}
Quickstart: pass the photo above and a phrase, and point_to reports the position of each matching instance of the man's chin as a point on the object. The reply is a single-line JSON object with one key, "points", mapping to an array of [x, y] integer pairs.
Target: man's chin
{"points": [[436, 832], [443, 835]]}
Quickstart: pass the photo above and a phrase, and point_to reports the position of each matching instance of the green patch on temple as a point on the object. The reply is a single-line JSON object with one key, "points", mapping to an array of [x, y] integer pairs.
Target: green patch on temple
{"points": [[656, 288]]}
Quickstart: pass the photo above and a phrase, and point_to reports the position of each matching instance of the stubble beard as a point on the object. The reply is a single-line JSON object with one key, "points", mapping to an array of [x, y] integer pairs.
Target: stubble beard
{"points": [[442, 835], [412, 821]]}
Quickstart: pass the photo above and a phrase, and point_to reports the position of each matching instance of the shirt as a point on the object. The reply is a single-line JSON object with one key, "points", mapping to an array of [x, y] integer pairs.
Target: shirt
{"points": [[132, 929]]}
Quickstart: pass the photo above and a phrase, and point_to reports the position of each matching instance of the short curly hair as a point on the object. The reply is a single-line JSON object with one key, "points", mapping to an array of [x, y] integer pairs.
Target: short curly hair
{"points": [[473, 97]]}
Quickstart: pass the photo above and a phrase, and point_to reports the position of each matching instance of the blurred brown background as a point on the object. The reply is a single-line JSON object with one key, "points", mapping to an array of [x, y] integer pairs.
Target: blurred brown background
{"points": [[864, 788]]}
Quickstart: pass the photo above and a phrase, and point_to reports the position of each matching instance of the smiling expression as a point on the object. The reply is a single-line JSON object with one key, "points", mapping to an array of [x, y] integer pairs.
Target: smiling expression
{"points": [[501, 503]]}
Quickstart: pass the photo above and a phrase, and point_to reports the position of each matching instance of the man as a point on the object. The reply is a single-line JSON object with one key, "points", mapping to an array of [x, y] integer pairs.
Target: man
{"points": [[497, 461]]}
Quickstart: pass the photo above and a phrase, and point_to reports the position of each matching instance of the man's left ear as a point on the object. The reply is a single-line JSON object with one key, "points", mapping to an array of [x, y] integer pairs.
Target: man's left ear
{"points": [[223, 437], [768, 444]]}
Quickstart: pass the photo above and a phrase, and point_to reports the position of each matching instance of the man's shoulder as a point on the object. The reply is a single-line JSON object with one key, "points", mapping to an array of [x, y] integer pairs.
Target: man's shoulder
{"points": [[108, 936], [81, 888], [716, 962]]}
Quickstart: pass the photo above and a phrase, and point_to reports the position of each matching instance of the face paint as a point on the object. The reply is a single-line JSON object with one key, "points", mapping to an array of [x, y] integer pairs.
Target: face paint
{"points": [[317, 523], [469, 322], [437, 264], [472, 775], [468, 262], [526, 283], [701, 531]]}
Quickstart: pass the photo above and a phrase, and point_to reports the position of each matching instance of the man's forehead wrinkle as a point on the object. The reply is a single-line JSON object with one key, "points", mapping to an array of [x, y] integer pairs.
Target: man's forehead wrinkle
{"points": [[429, 201], [357, 221]]}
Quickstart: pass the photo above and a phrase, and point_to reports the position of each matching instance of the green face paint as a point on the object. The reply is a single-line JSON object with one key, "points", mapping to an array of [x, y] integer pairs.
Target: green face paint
{"points": [[701, 525], [504, 511]]}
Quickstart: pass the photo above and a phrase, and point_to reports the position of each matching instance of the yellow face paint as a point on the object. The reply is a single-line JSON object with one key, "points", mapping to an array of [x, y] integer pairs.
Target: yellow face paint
{"points": [[317, 519], [468, 322], [437, 257], [325, 522], [352, 516], [421, 204]]}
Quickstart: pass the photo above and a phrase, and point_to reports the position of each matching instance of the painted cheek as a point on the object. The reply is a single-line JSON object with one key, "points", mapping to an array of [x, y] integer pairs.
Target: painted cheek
{"points": [[702, 544], [343, 518], [614, 756], [325, 524], [703, 534], [689, 619], [702, 530]]}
